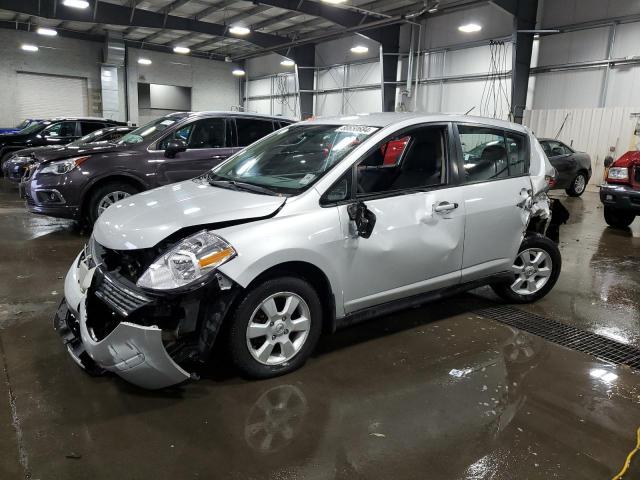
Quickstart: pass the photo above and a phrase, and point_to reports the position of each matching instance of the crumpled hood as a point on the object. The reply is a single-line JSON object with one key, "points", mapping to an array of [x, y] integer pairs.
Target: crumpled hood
{"points": [[49, 154], [143, 220]]}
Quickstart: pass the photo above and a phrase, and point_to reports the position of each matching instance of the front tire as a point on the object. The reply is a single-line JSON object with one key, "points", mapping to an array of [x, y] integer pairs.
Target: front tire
{"points": [[275, 327], [618, 218], [105, 195], [536, 270], [578, 185]]}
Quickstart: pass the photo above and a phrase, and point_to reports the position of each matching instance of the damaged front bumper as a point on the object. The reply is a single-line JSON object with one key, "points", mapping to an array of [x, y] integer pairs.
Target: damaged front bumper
{"points": [[109, 326]]}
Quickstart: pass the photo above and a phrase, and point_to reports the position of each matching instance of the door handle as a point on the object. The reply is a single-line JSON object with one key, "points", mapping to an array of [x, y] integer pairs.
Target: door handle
{"points": [[442, 207]]}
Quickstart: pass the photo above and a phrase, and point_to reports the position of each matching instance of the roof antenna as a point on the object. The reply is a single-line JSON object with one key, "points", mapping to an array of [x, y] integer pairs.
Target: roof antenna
{"points": [[470, 110]]}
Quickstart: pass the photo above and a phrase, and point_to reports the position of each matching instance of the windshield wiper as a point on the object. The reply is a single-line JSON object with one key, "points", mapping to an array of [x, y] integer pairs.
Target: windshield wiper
{"points": [[242, 186]]}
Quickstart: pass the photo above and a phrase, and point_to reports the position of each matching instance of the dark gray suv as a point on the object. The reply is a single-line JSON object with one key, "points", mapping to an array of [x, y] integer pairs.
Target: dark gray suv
{"points": [[172, 148]]}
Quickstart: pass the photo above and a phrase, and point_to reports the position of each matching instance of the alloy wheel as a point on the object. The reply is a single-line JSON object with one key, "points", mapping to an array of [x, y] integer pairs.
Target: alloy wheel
{"points": [[579, 184], [532, 267], [278, 328], [111, 198]]}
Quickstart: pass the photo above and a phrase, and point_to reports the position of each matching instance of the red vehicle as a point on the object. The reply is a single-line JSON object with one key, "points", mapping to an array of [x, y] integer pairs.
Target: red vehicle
{"points": [[621, 192]]}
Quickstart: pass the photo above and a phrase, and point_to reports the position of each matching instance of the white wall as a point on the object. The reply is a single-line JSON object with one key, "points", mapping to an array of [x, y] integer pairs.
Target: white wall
{"points": [[57, 56]]}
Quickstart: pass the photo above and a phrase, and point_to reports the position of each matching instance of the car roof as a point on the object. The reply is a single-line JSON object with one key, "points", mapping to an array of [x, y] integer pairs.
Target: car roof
{"points": [[234, 114], [98, 119], [385, 119]]}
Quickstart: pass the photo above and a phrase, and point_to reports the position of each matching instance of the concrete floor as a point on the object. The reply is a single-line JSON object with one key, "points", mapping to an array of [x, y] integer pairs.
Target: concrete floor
{"points": [[433, 393]]}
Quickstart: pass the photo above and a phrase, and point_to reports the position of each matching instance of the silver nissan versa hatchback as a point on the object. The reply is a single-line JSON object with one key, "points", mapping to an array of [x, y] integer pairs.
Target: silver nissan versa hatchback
{"points": [[319, 225]]}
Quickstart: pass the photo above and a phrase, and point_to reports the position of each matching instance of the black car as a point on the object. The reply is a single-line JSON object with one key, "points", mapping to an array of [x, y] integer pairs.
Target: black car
{"points": [[57, 131], [176, 147], [574, 168], [18, 163]]}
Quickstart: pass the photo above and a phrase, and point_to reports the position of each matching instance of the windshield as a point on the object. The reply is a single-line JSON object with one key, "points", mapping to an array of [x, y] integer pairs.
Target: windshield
{"points": [[152, 128], [34, 127], [23, 124], [293, 158]]}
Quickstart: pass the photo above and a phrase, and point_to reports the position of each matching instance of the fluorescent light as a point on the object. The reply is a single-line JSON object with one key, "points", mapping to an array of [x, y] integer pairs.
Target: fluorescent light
{"points": [[144, 61], [238, 72], [287, 62], [434, 7], [360, 49], [470, 28], [238, 30], [334, 1], [76, 3], [181, 49], [29, 48], [49, 32]]}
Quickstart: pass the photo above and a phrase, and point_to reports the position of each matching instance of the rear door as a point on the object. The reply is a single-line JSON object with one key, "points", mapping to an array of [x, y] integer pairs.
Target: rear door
{"points": [[208, 143], [495, 169]]}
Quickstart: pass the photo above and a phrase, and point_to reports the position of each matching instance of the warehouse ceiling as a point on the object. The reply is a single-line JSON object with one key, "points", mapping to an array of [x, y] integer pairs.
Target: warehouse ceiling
{"points": [[203, 25]]}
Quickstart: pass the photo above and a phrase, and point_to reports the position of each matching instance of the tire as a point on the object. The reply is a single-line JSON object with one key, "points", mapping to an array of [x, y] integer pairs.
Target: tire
{"points": [[115, 189], [550, 261], [618, 218], [278, 333], [578, 185]]}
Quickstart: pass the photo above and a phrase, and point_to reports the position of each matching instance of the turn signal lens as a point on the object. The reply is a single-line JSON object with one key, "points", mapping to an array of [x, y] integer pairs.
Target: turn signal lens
{"points": [[216, 258]]}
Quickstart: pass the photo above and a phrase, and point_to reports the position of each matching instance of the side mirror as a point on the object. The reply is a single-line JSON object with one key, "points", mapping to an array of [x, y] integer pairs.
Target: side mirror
{"points": [[363, 218], [174, 147]]}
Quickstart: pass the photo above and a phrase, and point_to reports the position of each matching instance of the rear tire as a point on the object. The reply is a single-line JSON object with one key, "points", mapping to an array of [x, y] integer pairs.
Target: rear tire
{"points": [[109, 192], [536, 270], [618, 218], [578, 185], [268, 334]]}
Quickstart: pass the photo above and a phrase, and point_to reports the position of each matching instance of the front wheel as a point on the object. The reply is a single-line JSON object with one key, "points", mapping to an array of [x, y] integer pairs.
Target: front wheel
{"points": [[105, 196], [618, 218], [275, 327], [578, 185], [536, 270]]}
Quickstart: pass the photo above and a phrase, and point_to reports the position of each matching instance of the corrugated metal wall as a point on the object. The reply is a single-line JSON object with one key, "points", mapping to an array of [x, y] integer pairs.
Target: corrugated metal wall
{"points": [[592, 130]]}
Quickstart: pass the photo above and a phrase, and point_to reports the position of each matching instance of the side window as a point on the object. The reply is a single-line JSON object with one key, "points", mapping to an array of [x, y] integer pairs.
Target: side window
{"points": [[181, 133], [113, 136], [251, 130], [209, 133], [485, 154], [518, 154], [556, 149], [565, 150], [61, 129], [339, 191], [88, 127], [547, 149], [412, 160]]}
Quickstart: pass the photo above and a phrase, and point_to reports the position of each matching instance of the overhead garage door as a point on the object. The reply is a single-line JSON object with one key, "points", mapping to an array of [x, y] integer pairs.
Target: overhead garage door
{"points": [[46, 96]]}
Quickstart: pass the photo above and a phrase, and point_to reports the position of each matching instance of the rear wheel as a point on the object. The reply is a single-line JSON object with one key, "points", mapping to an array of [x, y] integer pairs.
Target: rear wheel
{"points": [[536, 270], [105, 196], [578, 185], [275, 327], [618, 218]]}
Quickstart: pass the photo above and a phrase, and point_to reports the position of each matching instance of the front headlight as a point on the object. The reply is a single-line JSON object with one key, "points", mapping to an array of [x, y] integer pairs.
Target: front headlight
{"points": [[618, 173], [190, 260], [61, 167]]}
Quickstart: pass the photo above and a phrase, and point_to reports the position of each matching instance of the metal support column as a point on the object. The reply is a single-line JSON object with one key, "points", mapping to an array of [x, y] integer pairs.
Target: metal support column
{"points": [[390, 43], [524, 19], [305, 58]]}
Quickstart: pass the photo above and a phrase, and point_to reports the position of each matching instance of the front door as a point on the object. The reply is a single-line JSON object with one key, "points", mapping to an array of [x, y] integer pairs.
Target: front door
{"points": [[208, 143], [497, 186], [416, 242]]}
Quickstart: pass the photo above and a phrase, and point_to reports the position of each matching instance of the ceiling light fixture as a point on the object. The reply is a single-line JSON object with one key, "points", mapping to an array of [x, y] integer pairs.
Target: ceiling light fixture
{"points": [[144, 61], [359, 49], [29, 48], [182, 50], [287, 62], [470, 28], [49, 32], [76, 3], [433, 7], [334, 2], [238, 72], [238, 30]]}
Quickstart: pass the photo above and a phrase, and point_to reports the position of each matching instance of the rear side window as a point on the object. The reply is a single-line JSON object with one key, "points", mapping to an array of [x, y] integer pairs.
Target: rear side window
{"points": [[251, 130], [88, 127], [414, 159], [492, 154]]}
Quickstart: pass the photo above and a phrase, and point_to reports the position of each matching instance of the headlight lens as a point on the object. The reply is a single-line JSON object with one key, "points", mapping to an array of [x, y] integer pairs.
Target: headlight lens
{"points": [[190, 260], [618, 173], [62, 167]]}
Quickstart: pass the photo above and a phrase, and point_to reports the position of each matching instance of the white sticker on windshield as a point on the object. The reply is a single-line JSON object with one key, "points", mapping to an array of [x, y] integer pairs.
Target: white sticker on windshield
{"points": [[357, 129], [307, 178], [167, 122]]}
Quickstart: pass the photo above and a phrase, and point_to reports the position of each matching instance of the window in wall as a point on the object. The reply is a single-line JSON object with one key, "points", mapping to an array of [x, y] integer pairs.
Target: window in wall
{"points": [[251, 129], [485, 155], [61, 129], [413, 160]]}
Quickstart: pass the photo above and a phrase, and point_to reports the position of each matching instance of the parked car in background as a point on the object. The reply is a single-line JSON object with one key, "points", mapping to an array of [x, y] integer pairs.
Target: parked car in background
{"points": [[170, 149], [22, 160], [308, 230], [21, 126], [620, 194], [58, 131], [574, 168]]}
